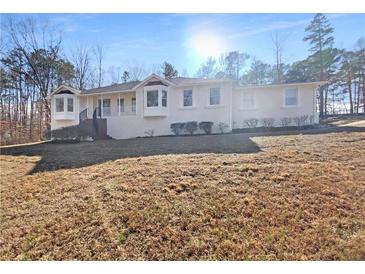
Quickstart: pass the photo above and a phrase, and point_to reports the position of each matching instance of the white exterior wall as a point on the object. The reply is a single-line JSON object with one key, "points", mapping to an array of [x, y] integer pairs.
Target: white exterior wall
{"points": [[269, 103], [121, 127]]}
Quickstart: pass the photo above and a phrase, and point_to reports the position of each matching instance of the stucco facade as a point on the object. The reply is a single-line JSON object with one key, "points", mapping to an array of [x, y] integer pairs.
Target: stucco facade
{"points": [[134, 117]]}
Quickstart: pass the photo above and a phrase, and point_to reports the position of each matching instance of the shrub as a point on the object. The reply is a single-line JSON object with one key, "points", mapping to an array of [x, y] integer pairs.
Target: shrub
{"points": [[300, 120], [206, 126], [286, 121], [177, 128], [267, 122], [251, 123], [311, 119], [149, 133], [191, 127], [222, 127], [69, 133], [303, 119]]}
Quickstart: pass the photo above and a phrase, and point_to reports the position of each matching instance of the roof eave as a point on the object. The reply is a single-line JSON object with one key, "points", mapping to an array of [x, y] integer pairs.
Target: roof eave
{"points": [[316, 83]]}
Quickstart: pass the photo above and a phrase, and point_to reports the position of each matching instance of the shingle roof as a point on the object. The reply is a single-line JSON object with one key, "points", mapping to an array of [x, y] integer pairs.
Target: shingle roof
{"points": [[132, 84], [114, 87], [190, 80]]}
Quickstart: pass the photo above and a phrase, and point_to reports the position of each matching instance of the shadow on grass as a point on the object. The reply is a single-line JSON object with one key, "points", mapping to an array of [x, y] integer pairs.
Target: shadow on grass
{"points": [[64, 156]]}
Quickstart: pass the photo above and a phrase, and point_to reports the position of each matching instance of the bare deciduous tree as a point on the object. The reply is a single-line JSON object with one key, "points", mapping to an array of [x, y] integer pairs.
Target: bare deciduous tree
{"points": [[99, 57], [81, 60]]}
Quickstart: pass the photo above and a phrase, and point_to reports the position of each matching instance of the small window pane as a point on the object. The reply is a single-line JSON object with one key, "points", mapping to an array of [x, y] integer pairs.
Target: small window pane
{"points": [[70, 104], [248, 100], [59, 105], [164, 98], [152, 98], [291, 97], [188, 98], [215, 96], [133, 104], [120, 103]]}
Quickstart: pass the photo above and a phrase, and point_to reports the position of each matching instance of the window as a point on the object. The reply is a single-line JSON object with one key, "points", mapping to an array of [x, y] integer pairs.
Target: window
{"points": [[120, 104], [164, 98], [215, 96], [152, 98], [133, 104], [106, 107], [59, 105], [188, 98], [291, 97], [248, 100], [70, 104]]}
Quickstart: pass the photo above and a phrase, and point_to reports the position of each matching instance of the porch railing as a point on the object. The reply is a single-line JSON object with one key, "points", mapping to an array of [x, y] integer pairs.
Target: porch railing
{"points": [[113, 111]]}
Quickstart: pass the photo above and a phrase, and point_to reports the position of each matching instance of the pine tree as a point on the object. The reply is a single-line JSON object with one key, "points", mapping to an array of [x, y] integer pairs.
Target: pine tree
{"points": [[319, 36], [169, 71]]}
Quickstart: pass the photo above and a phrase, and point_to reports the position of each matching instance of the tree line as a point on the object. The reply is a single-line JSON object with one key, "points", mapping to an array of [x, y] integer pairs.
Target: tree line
{"points": [[33, 63], [343, 69]]}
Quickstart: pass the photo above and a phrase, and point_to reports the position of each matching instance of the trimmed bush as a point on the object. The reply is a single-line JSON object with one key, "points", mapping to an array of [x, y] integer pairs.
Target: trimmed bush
{"points": [[268, 122], [286, 121], [206, 127], [251, 123], [300, 120], [177, 128], [191, 127], [222, 127]]}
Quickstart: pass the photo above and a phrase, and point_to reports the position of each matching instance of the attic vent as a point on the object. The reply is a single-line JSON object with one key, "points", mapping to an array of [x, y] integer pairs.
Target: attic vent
{"points": [[156, 83], [64, 92]]}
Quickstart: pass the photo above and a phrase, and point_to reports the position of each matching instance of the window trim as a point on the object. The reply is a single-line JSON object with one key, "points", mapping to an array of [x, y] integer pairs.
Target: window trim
{"points": [[63, 104], [103, 108], [73, 105], [158, 98], [162, 98], [64, 98], [192, 98], [254, 100], [284, 97], [209, 97]]}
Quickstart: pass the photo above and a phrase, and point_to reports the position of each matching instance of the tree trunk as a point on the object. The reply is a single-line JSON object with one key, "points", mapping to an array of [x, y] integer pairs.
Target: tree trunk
{"points": [[350, 96]]}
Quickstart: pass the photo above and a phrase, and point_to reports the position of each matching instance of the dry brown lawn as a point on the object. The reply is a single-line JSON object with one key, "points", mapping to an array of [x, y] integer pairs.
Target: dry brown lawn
{"points": [[293, 197]]}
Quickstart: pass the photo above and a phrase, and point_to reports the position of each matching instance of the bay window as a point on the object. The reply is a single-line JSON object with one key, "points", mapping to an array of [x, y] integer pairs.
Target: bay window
{"points": [[60, 104], [164, 98], [70, 104], [152, 98]]}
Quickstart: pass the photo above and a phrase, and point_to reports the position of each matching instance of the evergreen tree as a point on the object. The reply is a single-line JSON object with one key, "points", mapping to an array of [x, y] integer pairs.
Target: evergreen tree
{"points": [[169, 71], [320, 38]]}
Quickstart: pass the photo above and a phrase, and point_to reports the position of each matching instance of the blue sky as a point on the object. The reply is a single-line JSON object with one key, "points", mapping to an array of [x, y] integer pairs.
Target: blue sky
{"points": [[186, 40]]}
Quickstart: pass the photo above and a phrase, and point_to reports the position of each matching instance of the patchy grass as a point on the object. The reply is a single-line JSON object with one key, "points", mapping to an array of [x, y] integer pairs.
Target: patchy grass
{"points": [[300, 197]]}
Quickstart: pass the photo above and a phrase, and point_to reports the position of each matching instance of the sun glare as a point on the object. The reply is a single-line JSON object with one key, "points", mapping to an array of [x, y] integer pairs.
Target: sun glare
{"points": [[207, 44]]}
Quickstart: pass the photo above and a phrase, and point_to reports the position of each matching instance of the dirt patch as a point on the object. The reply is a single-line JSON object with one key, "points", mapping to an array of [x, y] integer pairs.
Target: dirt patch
{"points": [[299, 197]]}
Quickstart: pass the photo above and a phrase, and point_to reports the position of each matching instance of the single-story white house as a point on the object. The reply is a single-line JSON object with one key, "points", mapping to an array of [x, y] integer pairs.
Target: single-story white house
{"points": [[133, 108]]}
